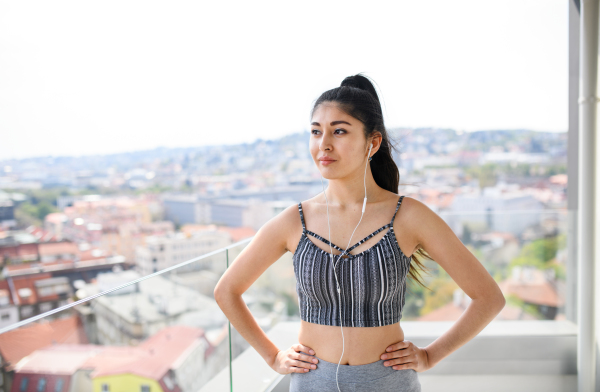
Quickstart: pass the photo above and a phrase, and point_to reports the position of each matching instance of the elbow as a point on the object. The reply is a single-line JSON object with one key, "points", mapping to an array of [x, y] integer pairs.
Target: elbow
{"points": [[500, 303], [218, 293], [221, 293]]}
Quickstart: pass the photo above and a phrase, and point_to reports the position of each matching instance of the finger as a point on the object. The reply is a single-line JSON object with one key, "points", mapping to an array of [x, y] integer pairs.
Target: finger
{"points": [[304, 364], [307, 358], [397, 346], [301, 347], [409, 365], [298, 370], [401, 361], [400, 364], [398, 354]]}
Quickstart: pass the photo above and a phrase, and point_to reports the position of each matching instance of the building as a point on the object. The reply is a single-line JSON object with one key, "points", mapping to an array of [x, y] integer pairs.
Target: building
{"points": [[493, 210], [7, 214], [165, 251], [132, 314], [124, 238], [20, 343], [36, 294], [175, 359]]}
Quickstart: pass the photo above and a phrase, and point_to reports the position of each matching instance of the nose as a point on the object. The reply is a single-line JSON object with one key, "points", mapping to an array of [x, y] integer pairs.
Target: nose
{"points": [[325, 143]]}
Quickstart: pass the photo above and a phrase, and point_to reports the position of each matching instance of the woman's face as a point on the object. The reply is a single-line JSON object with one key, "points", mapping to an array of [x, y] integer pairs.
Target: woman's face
{"points": [[340, 137]]}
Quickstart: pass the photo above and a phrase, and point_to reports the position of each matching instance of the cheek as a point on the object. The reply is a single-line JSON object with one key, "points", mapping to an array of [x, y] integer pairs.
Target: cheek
{"points": [[314, 149]]}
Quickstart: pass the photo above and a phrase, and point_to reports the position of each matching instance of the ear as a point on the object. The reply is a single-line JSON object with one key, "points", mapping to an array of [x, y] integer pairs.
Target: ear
{"points": [[376, 138]]}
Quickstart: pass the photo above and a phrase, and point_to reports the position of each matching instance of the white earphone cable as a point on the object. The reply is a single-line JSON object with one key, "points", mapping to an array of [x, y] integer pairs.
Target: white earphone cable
{"points": [[343, 253]]}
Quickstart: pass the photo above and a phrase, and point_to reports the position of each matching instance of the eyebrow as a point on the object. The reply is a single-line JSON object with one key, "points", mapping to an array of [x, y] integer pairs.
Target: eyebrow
{"points": [[332, 123]]}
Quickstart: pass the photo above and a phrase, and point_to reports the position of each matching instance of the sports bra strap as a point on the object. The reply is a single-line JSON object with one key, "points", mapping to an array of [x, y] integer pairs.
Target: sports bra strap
{"points": [[301, 216], [324, 240], [367, 237], [391, 224], [397, 207]]}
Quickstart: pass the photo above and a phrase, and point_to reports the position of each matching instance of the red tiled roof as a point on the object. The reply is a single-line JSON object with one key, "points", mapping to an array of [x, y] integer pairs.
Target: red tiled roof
{"points": [[40, 234], [537, 292], [60, 359], [237, 233], [55, 217], [16, 344], [24, 282], [57, 248], [151, 359]]}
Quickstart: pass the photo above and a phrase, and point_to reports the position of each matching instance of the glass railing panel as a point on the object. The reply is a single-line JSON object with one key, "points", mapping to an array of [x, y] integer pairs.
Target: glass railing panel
{"points": [[271, 299], [524, 251], [157, 332]]}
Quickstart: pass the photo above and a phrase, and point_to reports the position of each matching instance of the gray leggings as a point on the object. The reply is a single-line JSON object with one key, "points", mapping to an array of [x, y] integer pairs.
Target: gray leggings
{"points": [[372, 376]]}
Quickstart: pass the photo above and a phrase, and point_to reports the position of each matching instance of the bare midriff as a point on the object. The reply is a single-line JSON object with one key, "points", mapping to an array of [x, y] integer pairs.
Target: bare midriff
{"points": [[362, 345]]}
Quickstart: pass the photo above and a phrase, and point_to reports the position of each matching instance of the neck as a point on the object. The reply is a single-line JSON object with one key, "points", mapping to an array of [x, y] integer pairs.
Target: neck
{"points": [[350, 191]]}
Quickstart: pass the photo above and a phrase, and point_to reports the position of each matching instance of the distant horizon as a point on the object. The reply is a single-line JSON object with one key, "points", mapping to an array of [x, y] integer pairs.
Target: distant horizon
{"points": [[186, 73], [253, 141]]}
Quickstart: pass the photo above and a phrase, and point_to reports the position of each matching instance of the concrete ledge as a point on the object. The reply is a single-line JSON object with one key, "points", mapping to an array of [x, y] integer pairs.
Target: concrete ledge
{"points": [[507, 355]]}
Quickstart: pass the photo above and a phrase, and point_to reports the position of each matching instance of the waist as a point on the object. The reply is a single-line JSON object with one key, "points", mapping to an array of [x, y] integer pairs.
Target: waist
{"points": [[362, 345]]}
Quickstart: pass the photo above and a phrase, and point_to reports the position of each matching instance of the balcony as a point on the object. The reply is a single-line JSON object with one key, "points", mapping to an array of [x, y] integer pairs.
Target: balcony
{"points": [[165, 331]]}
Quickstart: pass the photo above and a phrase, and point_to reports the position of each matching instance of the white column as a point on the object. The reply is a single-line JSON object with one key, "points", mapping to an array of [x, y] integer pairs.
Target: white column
{"points": [[588, 227]]}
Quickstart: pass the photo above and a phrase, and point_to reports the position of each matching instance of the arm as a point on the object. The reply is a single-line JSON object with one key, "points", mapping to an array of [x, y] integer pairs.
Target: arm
{"points": [[267, 246], [440, 242]]}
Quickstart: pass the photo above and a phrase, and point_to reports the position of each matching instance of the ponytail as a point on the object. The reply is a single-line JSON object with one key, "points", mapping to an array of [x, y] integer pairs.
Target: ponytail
{"points": [[357, 97]]}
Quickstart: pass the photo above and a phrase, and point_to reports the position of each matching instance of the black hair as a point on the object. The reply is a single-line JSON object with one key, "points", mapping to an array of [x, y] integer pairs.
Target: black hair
{"points": [[357, 97]]}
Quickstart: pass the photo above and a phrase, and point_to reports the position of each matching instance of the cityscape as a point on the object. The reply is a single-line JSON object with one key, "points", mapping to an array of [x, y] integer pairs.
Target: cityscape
{"points": [[75, 227]]}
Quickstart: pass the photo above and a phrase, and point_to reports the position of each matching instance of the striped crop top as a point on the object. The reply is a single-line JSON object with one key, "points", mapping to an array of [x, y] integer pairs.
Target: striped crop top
{"points": [[372, 282]]}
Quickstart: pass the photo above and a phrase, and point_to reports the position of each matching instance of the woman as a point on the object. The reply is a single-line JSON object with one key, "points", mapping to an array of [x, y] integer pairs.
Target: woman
{"points": [[350, 146]]}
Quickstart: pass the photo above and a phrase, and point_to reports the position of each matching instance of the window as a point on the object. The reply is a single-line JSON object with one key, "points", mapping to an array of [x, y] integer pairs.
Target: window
{"points": [[41, 385], [145, 388], [26, 311], [5, 316], [46, 291], [23, 386], [59, 385], [169, 383], [105, 388]]}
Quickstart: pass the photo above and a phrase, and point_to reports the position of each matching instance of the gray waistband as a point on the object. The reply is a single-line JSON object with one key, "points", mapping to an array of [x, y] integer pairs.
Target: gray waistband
{"points": [[352, 373]]}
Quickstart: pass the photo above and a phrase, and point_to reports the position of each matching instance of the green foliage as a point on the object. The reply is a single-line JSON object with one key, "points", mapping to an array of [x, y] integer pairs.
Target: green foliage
{"points": [[36, 211], [441, 292], [489, 172], [541, 254], [155, 188]]}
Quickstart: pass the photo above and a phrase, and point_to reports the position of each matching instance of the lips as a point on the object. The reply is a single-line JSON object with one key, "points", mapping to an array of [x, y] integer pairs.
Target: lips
{"points": [[326, 159]]}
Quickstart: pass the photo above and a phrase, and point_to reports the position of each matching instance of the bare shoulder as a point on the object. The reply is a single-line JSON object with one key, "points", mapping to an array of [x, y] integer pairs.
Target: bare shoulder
{"points": [[285, 226], [266, 247], [411, 218], [423, 222]]}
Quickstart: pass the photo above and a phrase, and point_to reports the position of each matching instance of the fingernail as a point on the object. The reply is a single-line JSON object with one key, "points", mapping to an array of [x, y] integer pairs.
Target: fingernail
{"points": [[384, 356], [315, 360], [313, 367], [312, 352], [389, 349]]}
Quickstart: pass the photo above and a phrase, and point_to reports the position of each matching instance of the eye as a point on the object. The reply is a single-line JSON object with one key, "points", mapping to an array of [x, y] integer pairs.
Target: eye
{"points": [[316, 130]]}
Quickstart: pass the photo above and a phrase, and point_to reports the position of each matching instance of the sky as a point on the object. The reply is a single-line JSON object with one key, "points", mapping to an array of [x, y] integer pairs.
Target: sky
{"points": [[82, 78]]}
